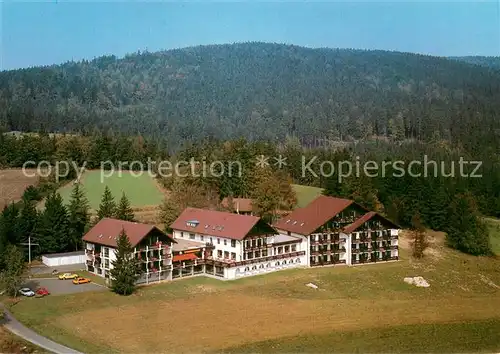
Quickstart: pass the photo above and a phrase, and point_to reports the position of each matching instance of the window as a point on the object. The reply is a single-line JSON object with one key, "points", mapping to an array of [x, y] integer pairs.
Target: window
{"points": [[233, 243], [219, 253], [211, 241], [261, 266], [233, 255], [257, 254], [106, 252], [277, 263], [249, 255], [289, 233], [268, 265], [259, 242], [182, 234], [226, 254], [253, 243], [297, 260], [247, 244], [225, 242], [218, 241], [264, 253], [284, 262], [106, 264], [192, 236], [294, 248], [247, 269], [201, 237], [254, 267], [287, 249]]}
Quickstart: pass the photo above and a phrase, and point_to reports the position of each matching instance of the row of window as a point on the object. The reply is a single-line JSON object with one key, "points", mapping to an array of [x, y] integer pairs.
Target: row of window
{"points": [[333, 247], [264, 253], [256, 242], [209, 239], [268, 265], [373, 244], [225, 254]]}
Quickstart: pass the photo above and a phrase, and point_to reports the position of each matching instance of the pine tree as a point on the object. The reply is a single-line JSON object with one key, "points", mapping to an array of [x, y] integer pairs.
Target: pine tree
{"points": [[169, 211], [79, 216], [54, 233], [12, 276], [28, 220], [124, 211], [107, 208], [9, 224], [466, 231], [126, 269], [419, 243]]}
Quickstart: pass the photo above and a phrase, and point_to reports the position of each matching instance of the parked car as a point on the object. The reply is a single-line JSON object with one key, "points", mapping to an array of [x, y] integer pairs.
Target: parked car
{"points": [[68, 276], [26, 292], [81, 280], [41, 292]]}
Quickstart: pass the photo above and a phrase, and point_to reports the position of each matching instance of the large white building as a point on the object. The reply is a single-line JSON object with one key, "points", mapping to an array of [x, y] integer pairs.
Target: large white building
{"points": [[238, 245], [339, 231], [152, 247], [328, 231]]}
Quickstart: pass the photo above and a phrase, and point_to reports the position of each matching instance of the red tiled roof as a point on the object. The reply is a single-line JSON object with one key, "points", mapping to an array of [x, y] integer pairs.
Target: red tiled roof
{"points": [[305, 221], [357, 223], [215, 223], [184, 257], [240, 204], [106, 231]]}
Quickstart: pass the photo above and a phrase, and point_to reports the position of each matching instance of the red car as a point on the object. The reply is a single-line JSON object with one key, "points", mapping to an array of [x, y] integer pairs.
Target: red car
{"points": [[41, 292]]}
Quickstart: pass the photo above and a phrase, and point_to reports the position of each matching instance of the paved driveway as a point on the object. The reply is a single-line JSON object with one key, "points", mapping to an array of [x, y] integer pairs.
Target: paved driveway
{"points": [[62, 287], [42, 269]]}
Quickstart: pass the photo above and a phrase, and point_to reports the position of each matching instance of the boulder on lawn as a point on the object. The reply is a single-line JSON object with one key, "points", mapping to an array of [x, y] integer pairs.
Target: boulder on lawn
{"points": [[417, 281], [311, 285]]}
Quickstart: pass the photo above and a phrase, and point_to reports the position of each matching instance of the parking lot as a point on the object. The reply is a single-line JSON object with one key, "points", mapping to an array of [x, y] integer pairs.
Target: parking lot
{"points": [[62, 287]]}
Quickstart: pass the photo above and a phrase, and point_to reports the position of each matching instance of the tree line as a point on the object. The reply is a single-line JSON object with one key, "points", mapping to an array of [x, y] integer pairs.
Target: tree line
{"points": [[57, 227]]}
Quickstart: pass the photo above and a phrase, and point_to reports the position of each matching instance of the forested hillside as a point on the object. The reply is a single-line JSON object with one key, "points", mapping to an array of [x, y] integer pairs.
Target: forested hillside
{"points": [[227, 91], [490, 62]]}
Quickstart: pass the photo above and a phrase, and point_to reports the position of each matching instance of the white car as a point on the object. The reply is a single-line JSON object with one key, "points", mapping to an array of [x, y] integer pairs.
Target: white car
{"points": [[26, 292]]}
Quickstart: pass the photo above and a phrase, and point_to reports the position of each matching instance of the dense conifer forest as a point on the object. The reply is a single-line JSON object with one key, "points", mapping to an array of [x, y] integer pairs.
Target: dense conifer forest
{"points": [[240, 101], [229, 91]]}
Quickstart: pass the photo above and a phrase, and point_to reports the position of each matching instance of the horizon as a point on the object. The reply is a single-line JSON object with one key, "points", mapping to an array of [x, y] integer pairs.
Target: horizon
{"points": [[120, 57], [57, 32]]}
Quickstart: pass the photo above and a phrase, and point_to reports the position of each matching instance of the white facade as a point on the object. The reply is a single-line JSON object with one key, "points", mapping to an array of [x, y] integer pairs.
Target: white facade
{"points": [[225, 248], [61, 259], [250, 256], [101, 262], [345, 243]]}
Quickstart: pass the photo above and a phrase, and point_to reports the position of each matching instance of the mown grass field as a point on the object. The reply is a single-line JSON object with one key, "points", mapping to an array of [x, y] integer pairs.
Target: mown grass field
{"points": [[306, 194], [356, 309], [142, 191], [10, 343]]}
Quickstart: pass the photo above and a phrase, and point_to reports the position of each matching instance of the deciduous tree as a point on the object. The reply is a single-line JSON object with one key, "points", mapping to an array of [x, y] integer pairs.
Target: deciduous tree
{"points": [[12, 275]]}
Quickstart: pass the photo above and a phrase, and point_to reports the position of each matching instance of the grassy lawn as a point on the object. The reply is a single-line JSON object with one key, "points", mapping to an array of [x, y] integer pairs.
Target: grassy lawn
{"points": [[306, 194], [277, 312], [466, 337], [10, 343], [494, 228], [141, 190]]}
